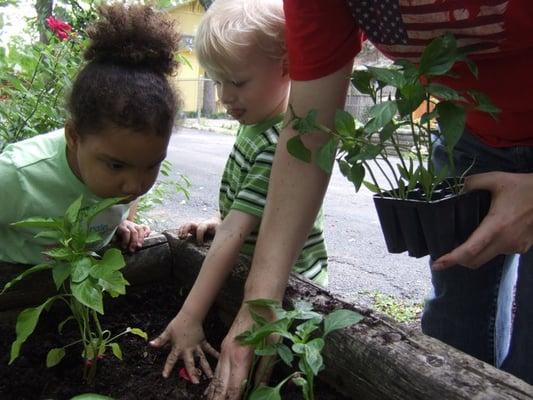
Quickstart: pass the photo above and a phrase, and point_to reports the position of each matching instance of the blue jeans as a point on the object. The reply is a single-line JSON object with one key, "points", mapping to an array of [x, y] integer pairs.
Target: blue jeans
{"points": [[471, 310]]}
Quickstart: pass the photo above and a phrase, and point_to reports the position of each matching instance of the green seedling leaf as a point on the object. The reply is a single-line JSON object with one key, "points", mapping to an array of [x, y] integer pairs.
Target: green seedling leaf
{"points": [[264, 392], [443, 92], [372, 187], [439, 56], [326, 155], [412, 96], [26, 323], [279, 326], [313, 356], [52, 235], [382, 114], [96, 209], [306, 124], [304, 330], [54, 357], [87, 294], [41, 223], [340, 319], [112, 260], [390, 77], [80, 269], [138, 332], [62, 324], [71, 215], [91, 396], [268, 350], [285, 354], [297, 149], [93, 237], [362, 81], [60, 273], [344, 124], [59, 253], [115, 348], [27, 272], [452, 119], [483, 103]]}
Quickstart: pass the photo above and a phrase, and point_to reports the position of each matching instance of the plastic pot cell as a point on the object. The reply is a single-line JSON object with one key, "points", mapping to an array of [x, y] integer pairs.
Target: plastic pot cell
{"points": [[435, 227]]}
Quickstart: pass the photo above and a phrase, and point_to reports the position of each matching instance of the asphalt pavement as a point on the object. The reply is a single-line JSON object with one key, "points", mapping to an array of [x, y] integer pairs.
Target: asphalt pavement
{"points": [[359, 262]]}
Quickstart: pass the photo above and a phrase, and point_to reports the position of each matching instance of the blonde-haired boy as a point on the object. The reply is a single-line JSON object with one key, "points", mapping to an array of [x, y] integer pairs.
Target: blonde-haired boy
{"points": [[241, 45]]}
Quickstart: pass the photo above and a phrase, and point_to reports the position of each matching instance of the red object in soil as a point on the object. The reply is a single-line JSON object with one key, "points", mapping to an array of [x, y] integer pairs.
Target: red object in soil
{"points": [[183, 374]]}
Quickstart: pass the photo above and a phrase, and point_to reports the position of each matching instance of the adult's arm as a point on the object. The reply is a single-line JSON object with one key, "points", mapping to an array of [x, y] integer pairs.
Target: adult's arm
{"points": [[296, 191]]}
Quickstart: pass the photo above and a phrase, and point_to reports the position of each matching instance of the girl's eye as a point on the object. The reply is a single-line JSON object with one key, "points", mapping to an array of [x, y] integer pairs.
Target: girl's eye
{"points": [[115, 166], [216, 82], [238, 84]]}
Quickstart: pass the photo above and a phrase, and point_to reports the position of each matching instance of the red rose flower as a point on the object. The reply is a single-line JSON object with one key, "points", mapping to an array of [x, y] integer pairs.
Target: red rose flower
{"points": [[61, 29]]}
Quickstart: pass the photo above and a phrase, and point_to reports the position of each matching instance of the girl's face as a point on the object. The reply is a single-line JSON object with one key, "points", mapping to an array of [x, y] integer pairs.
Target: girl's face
{"points": [[257, 89], [116, 162]]}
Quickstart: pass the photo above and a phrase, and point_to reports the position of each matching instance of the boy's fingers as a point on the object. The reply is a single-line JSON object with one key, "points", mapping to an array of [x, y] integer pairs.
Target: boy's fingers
{"points": [[172, 358], [161, 340], [204, 364], [188, 360], [200, 233], [210, 349], [125, 237], [134, 239]]}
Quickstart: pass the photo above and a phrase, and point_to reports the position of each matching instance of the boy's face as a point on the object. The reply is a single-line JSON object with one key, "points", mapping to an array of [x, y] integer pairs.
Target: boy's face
{"points": [[116, 162], [257, 89]]}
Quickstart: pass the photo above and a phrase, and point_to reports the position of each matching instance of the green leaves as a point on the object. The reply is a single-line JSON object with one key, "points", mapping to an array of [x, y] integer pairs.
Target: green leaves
{"points": [[138, 332], [340, 319], [439, 56], [305, 342], [54, 357], [26, 323], [381, 114], [297, 149], [452, 119], [27, 272]]}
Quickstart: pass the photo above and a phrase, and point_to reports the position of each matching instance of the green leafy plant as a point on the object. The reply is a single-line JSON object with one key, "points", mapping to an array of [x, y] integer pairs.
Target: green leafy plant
{"points": [[33, 82], [356, 146], [300, 343], [81, 278], [160, 191]]}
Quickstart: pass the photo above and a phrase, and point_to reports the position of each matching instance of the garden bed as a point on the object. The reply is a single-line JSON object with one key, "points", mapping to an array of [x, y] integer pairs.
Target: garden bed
{"points": [[375, 359]]}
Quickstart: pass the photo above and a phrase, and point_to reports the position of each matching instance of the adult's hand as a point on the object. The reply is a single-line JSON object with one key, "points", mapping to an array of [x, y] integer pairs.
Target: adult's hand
{"points": [[234, 362], [508, 226]]}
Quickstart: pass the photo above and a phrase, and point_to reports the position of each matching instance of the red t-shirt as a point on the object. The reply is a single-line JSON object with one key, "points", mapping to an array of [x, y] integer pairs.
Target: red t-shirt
{"points": [[322, 36]]}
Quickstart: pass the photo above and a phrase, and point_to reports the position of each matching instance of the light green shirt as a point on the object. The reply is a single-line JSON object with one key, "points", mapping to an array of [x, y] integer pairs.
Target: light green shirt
{"points": [[36, 181], [244, 188]]}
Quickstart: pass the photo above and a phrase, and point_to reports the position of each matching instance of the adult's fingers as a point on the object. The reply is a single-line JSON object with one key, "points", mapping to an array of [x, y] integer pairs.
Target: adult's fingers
{"points": [[217, 389]]}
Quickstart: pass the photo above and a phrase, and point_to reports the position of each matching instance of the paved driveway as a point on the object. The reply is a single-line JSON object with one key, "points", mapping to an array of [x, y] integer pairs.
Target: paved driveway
{"points": [[359, 261]]}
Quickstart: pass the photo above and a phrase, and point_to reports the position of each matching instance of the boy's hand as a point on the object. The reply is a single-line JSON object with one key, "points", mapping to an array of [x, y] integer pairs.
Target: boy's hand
{"points": [[207, 227], [187, 338], [131, 235]]}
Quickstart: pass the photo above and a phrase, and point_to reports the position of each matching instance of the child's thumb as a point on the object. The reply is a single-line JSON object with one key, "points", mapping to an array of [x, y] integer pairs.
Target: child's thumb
{"points": [[160, 341]]}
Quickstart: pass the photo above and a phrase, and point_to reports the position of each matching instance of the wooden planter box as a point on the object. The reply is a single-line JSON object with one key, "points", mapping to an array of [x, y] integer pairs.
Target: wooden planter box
{"points": [[375, 359]]}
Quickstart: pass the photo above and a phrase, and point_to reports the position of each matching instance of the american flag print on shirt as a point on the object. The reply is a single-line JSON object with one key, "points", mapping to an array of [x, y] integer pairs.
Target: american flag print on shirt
{"points": [[402, 28]]}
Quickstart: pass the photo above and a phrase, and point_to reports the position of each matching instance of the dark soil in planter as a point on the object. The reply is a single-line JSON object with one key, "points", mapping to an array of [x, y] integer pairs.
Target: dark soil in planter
{"points": [[138, 376], [435, 227]]}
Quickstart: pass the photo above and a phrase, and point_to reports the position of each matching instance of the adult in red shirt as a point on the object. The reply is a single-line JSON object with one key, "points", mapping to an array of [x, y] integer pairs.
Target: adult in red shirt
{"points": [[323, 37]]}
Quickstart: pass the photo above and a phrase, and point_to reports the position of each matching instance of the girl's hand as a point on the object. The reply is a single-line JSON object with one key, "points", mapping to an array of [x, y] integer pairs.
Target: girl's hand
{"points": [[187, 338], [131, 235], [207, 227]]}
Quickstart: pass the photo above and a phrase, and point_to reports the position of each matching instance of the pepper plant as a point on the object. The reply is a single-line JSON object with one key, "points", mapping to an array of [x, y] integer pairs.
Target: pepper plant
{"points": [[302, 342], [81, 278], [357, 147]]}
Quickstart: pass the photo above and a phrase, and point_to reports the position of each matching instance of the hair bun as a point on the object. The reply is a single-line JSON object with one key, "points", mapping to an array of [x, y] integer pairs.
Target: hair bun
{"points": [[133, 35]]}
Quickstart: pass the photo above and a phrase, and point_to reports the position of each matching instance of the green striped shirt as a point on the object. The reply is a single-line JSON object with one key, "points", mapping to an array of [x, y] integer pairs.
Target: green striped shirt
{"points": [[244, 188]]}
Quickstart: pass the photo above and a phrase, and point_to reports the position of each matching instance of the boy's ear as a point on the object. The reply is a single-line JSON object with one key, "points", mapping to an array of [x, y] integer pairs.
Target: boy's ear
{"points": [[285, 65], [71, 136]]}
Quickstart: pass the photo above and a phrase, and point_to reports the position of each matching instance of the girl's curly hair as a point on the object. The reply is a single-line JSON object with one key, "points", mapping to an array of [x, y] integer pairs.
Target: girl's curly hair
{"points": [[131, 54]]}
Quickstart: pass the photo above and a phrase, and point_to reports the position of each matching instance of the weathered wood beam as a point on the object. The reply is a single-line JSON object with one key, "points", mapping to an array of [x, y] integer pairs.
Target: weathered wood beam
{"points": [[374, 359]]}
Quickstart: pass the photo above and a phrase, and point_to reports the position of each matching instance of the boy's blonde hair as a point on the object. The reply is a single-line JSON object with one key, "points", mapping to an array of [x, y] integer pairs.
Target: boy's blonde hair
{"points": [[230, 28]]}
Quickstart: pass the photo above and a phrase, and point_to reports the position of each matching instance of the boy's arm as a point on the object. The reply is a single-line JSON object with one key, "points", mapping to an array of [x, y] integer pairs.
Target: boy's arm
{"points": [[219, 261], [185, 331], [295, 194]]}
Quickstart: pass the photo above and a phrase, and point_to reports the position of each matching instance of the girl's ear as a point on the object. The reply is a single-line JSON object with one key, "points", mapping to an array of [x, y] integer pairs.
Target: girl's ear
{"points": [[71, 136]]}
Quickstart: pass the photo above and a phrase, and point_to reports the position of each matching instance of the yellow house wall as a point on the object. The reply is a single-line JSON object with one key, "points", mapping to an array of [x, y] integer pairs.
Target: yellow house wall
{"points": [[187, 18]]}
